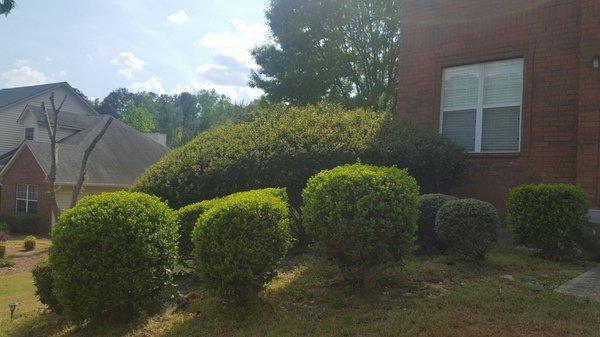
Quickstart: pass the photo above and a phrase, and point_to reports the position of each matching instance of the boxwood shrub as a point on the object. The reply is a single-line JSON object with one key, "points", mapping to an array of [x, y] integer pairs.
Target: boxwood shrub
{"points": [[29, 243], [467, 228], [239, 242], [362, 215], [111, 255], [24, 223], [284, 146], [44, 289], [549, 217], [429, 205], [188, 216]]}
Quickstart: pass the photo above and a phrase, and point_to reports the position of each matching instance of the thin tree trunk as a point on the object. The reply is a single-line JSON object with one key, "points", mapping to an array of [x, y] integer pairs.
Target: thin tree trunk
{"points": [[52, 125], [86, 155]]}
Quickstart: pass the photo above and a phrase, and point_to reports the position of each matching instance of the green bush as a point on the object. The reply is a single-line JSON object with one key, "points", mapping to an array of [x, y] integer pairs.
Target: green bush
{"points": [[112, 255], [467, 228], [24, 224], [2, 251], [239, 242], [188, 216], [29, 243], [362, 215], [284, 146], [429, 205], [44, 290], [549, 217], [6, 263]]}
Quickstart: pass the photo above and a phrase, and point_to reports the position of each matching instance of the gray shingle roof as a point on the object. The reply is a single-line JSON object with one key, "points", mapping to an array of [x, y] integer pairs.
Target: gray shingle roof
{"points": [[117, 160], [66, 119], [10, 96]]}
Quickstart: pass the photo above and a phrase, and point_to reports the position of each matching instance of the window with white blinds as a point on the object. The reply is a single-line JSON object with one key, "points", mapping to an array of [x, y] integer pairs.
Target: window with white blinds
{"points": [[481, 106]]}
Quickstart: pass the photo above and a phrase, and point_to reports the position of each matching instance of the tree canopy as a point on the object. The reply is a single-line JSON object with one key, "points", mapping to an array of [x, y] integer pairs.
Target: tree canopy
{"points": [[6, 6], [343, 51], [180, 116]]}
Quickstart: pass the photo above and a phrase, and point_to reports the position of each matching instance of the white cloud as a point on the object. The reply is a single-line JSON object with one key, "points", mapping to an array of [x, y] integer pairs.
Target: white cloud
{"points": [[23, 76], [21, 63], [151, 85], [48, 59], [235, 93], [179, 17], [128, 63], [62, 73], [237, 42]]}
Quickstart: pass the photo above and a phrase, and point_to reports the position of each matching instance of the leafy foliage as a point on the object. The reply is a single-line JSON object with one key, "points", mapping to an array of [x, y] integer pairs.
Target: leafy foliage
{"points": [[550, 217], [343, 51], [6, 263], [181, 117], [429, 205], [2, 250], [29, 243], [23, 223], [239, 242], [44, 289], [6, 6], [285, 146], [188, 215], [467, 228], [362, 215], [112, 254], [138, 118]]}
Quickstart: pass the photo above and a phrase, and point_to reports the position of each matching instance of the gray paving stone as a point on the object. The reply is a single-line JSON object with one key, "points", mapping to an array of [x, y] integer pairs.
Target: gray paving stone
{"points": [[586, 285]]}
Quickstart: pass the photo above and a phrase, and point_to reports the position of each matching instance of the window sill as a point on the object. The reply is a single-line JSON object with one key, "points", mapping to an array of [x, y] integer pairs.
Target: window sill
{"points": [[493, 154]]}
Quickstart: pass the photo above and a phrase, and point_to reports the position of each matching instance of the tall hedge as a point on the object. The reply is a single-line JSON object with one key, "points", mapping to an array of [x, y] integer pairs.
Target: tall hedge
{"points": [[111, 255], [285, 146]]}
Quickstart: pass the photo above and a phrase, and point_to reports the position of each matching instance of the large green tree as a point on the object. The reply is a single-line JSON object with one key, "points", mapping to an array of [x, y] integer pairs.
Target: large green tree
{"points": [[337, 50]]}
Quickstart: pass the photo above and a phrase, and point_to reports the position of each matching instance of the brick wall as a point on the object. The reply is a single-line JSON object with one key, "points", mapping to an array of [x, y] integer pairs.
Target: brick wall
{"points": [[588, 168], [546, 34], [25, 171]]}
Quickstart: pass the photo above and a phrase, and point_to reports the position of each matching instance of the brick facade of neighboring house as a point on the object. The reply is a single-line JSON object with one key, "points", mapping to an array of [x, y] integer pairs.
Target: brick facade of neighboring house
{"points": [[557, 41], [26, 171]]}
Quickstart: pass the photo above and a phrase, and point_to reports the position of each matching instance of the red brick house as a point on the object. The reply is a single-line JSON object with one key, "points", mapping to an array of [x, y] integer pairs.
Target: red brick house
{"points": [[515, 82]]}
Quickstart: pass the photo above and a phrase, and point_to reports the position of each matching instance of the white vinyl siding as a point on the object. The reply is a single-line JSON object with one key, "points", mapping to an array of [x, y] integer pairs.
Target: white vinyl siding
{"points": [[11, 132], [481, 106]]}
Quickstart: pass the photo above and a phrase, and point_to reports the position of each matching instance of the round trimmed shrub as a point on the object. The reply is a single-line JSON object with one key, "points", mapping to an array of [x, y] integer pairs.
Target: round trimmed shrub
{"points": [[239, 242], [362, 215], [467, 228], [429, 205], [284, 146], [29, 243], [112, 255], [549, 217], [188, 216], [44, 289]]}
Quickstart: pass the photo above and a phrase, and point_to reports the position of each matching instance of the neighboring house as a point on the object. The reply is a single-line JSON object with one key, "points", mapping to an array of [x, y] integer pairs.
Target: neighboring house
{"points": [[15, 127], [515, 82], [118, 158]]}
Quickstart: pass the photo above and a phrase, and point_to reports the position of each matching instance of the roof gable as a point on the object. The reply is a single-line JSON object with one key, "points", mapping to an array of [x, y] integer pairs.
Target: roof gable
{"points": [[12, 96]]}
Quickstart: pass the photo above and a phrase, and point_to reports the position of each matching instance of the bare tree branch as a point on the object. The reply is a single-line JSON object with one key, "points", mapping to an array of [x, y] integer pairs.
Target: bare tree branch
{"points": [[53, 154], [86, 155]]}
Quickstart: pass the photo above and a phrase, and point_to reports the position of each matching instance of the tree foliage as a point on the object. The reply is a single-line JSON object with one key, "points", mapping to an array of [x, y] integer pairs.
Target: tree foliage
{"points": [[6, 6], [337, 50], [180, 116], [138, 117]]}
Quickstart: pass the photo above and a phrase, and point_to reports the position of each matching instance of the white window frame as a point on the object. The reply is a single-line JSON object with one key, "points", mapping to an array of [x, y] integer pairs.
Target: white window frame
{"points": [[27, 200], [25, 133], [480, 107]]}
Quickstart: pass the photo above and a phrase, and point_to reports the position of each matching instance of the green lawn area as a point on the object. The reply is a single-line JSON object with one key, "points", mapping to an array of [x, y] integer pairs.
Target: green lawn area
{"points": [[424, 297]]}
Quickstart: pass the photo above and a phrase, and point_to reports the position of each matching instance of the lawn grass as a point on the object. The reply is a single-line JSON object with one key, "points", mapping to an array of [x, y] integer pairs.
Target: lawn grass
{"points": [[423, 297]]}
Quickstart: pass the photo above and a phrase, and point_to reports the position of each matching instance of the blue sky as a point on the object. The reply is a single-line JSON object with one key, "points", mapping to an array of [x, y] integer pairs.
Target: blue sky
{"points": [[160, 46]]}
